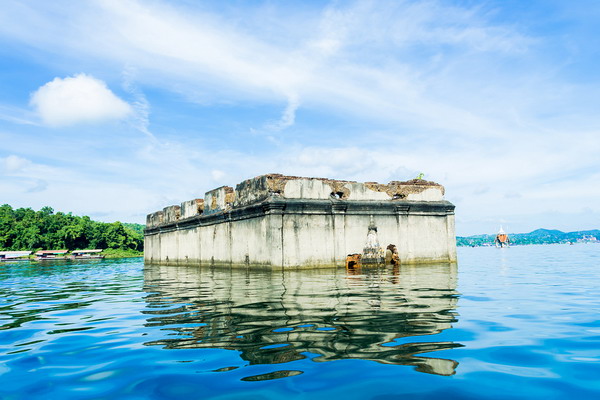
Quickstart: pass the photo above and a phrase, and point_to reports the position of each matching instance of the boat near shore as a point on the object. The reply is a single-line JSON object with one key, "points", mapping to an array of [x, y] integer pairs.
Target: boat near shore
{"points": [[86, 254], [51, 255], [14, 255], [502, 239]]}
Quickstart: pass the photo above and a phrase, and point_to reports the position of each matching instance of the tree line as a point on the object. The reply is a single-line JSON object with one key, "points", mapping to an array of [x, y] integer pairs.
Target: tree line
{"points": [[26, 229]]}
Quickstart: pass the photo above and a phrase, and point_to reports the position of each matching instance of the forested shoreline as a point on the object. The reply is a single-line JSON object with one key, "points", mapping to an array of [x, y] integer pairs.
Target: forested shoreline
{"points": [[26, 229], [539, 236]]}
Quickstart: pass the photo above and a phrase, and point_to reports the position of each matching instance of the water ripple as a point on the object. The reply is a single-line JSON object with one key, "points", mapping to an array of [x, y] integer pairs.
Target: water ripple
{"points": [[116, 329]]}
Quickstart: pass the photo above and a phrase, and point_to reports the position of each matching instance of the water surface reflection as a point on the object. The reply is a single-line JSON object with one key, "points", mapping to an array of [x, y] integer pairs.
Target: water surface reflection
{"points": [[384, 315]]}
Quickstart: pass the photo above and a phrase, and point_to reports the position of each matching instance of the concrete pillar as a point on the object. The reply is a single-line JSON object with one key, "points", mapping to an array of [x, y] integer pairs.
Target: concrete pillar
{"points": [[404, 251], [201, 258], [451, 235], [274, 235], [339, 232]]}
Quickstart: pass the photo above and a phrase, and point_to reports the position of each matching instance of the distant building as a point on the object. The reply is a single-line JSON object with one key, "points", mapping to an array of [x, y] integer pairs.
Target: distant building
{"points": [[588, 239]]}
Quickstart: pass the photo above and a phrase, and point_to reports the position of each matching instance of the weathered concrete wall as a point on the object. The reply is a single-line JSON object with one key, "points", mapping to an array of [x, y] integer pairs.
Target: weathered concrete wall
{"points": [[280, 221], [188, 248], [309, 240], [192, 208], [152, 248], [219, 200], [169, 246], [171, 214]]}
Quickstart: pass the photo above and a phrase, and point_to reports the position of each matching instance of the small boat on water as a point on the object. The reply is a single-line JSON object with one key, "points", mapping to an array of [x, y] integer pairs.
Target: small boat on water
{"points": [[14, 255], [502, 239], [51, 255], [86, 254]]}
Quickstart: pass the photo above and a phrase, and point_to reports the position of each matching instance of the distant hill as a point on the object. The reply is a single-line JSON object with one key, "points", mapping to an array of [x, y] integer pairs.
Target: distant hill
{"points": [[539, 236], [137, 228]]}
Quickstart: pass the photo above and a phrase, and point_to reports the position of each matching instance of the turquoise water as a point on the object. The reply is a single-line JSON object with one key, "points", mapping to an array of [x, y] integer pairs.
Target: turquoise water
{"points": [[514, 323]]}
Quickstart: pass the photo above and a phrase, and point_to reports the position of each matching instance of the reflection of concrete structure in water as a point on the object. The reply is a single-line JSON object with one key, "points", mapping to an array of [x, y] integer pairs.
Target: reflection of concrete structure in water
{"points": [[328, 313]]}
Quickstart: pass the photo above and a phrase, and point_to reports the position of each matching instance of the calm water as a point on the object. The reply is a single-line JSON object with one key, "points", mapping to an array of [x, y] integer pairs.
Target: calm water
{"points": [[510, 323]]}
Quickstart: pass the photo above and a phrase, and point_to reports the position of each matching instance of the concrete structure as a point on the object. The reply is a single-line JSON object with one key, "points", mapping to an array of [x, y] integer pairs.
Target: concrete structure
{"points": [[283, 221]]}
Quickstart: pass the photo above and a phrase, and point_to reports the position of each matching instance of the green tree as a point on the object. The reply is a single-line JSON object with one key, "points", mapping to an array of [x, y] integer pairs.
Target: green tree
{"points": [[26, 229]]}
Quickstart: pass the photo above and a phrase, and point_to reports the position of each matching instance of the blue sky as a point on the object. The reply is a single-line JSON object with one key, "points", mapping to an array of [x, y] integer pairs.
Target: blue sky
{"points": [[118, 108]]}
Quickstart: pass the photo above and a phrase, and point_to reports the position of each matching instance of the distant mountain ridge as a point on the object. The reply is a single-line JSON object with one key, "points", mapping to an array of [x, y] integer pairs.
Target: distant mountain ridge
{"points": [[538, 236]]}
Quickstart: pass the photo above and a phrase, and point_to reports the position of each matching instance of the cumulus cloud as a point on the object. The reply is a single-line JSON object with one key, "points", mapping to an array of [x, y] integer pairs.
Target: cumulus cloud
{"points": [[76, 99], [14, 164]]}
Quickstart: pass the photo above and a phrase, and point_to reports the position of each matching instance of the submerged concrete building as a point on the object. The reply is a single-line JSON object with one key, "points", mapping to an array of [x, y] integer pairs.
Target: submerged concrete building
{"points": [[284, 221]]}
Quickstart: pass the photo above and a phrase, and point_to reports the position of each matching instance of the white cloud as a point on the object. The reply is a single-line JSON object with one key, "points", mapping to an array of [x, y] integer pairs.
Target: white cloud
{"points": [[350, 58], [141, 106], [81, 98], [217, 175], [288, 117], [457, 92], [14, 164], [38, 185], [17, 115]]}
